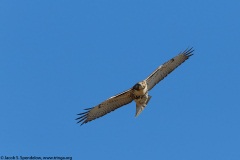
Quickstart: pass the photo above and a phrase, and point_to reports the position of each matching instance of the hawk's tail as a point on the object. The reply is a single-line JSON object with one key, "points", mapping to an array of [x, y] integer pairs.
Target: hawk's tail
{"points": [[140, 107]]}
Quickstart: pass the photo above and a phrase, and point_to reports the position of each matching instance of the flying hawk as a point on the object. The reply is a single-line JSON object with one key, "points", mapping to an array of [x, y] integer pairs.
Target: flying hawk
{"points": [[138, 93]]}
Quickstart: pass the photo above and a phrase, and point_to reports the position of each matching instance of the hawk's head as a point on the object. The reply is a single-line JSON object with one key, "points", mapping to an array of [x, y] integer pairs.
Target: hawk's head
{"points": [[139, 86]]}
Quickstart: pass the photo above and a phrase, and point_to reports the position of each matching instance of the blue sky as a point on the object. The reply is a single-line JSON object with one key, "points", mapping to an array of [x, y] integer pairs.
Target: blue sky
{"points": [[59, 57]]}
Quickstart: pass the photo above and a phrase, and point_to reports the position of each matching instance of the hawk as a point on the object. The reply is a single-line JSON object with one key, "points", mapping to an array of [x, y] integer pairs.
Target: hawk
{"points": [[138, 93]]}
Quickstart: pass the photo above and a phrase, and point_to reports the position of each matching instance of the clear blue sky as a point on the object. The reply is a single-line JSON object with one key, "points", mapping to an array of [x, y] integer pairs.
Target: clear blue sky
{"points": [[59, 57]]}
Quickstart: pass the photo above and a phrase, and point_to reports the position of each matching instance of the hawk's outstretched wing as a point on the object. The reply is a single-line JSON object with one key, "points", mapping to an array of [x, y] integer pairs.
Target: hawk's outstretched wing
{"points": [[162, 71], [105, 107]]}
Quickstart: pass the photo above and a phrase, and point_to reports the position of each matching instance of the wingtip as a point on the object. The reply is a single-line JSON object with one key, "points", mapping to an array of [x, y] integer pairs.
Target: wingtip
{"points": [[79, 114], [83, 123], [82, 120], [82, 117], [88, 108], [188, 52]]}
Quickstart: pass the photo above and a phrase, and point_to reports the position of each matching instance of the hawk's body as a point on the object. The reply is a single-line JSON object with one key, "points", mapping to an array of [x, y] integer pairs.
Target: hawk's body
{"points": [[141, 97], [138, 93]]}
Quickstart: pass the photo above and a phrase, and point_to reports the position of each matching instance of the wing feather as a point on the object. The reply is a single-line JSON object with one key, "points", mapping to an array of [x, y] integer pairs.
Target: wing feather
{"points": [[105, 107], [162, 71]]}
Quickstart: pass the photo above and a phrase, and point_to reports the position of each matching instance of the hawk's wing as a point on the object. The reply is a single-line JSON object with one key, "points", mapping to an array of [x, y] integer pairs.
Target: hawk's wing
{"points": [[105, 107], [162, 71]]}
